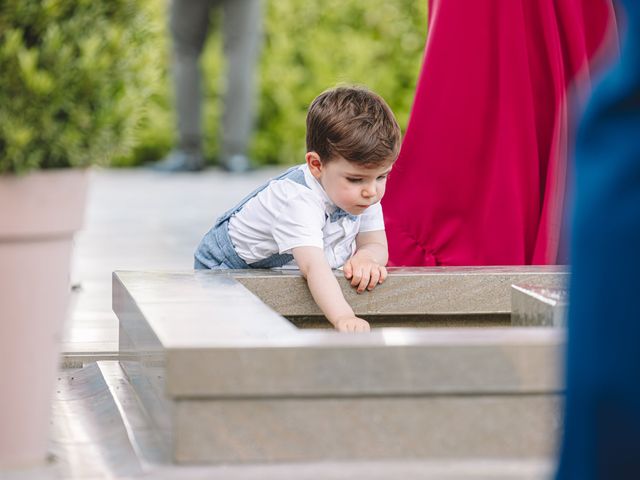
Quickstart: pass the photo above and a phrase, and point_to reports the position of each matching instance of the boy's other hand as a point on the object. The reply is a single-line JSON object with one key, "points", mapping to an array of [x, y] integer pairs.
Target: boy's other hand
{"points": [[364, 271], [351, 324]]}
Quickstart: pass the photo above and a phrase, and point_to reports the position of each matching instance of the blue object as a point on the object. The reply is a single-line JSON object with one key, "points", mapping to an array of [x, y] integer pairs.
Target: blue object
{"points": [[602, 413]]}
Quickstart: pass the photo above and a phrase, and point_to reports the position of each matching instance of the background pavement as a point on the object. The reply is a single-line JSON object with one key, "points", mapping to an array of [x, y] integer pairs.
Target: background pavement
{"points": [[137, 219]]}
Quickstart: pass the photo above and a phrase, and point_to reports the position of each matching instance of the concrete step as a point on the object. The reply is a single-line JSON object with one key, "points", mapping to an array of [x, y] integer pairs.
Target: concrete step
{"points": [[89, 434], [100, 430]]}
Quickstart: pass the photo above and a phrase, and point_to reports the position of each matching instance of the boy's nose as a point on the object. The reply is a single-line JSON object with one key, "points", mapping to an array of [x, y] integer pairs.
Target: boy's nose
{"points": [[369, 191]]}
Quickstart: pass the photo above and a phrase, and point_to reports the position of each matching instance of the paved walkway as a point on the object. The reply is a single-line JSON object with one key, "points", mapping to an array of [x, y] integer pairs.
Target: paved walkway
{"points": [[138, 219], [143, 220]]}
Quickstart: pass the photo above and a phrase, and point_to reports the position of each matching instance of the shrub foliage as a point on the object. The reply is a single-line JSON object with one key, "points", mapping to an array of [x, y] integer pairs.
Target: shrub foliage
{"points": [[311, 46], [75, 78], [88, 81], [307, 47]]}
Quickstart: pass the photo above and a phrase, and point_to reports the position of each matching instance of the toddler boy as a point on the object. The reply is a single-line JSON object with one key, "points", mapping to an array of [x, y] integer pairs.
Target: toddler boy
{"points": [[324, 213]]}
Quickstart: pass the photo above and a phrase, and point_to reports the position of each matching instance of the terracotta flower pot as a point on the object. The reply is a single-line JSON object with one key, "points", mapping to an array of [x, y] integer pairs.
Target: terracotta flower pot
{"points": [[39, 213]]}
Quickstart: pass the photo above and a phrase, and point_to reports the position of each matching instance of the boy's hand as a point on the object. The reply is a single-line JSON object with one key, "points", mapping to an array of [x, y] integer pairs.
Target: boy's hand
{"points": [[324, 287], [351, 324], [364, 271]]}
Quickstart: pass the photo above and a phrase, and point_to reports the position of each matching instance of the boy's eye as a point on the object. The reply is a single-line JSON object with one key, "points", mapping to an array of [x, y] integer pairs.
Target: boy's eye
{"points": [[382, 177], [354, 180]]}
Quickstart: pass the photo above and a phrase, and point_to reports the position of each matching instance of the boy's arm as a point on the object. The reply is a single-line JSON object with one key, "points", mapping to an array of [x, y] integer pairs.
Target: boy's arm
{"points": [[325, 290], [366, 268], [375, 244]]}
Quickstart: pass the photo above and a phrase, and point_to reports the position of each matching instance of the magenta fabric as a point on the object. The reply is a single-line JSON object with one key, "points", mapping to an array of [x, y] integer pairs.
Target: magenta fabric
{"points": [[481, 176]]}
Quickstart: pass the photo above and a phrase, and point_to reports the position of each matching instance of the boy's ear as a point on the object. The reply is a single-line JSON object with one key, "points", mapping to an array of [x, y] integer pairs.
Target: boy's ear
{"points": [[314, 163]]}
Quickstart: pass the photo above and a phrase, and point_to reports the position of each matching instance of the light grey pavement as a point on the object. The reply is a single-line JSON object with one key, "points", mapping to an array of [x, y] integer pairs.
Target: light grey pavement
{"points": [[138, 219]]}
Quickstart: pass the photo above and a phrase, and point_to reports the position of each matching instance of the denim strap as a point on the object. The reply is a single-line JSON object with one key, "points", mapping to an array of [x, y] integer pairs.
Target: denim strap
{"points": [[217, 243], [294, 173]]}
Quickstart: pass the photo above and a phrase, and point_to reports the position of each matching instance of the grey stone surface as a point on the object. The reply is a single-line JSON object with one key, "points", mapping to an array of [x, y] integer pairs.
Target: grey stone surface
{"points": [[539, 306], [412, 321], [99, 430], [365, 428], [390, 362], [85, 421], [139, 219], [433, 290], [466, 469], [230, 367], [215, 321]]}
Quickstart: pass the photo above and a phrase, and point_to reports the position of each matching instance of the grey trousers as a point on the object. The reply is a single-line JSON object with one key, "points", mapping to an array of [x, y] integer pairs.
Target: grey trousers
{"points": [[242, 31]]}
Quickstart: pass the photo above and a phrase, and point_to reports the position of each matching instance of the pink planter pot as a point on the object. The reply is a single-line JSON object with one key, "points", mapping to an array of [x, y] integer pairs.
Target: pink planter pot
{"points": [[39, 214]]}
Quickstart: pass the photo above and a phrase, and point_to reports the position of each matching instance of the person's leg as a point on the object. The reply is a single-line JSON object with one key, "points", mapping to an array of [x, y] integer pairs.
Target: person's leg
{"points": [[188, 24], [242, 31]]}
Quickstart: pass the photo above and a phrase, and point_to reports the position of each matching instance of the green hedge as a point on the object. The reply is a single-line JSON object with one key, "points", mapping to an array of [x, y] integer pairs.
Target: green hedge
{"points": [[308, 47], [75, 77], [85, 81]]}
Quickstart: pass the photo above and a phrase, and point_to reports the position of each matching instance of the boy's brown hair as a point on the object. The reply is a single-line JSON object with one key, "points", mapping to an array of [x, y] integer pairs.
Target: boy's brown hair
{"points": [[355, 123]]}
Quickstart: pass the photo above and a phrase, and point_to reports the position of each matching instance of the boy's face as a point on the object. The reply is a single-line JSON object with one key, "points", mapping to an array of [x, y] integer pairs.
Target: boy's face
{"points": [[350, 186]]}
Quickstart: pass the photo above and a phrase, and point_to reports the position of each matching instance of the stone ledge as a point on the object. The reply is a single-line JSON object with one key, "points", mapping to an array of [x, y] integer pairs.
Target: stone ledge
{"points": [[252, 430], [214, 320], [388, 362], [539, 306], [203, 344], [407, 291]]}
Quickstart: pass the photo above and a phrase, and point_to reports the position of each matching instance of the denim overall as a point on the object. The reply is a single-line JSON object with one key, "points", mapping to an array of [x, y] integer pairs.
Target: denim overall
{"points": [[216, 250]]}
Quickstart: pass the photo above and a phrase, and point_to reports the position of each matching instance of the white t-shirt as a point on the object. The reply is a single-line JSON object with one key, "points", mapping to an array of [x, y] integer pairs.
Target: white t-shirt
{"points": [[287, 214]]}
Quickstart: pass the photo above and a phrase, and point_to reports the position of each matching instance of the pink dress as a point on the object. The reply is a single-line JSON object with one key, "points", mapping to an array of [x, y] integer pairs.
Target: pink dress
{"points": [[482, 174]]}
